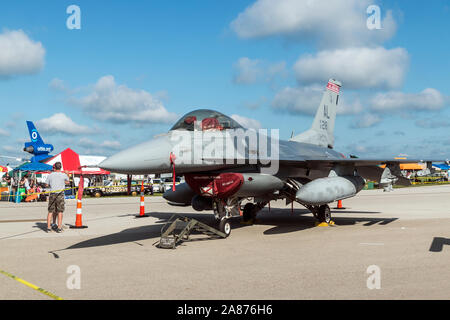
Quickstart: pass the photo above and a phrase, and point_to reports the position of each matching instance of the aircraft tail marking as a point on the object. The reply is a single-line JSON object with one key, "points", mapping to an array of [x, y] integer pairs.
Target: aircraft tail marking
{"points": [[322, 130], [34, 134]]}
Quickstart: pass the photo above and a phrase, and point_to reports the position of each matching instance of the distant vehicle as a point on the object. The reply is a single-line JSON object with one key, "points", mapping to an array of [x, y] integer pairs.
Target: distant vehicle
{"points": [[157, 186], [168, 183], [109, 189]]}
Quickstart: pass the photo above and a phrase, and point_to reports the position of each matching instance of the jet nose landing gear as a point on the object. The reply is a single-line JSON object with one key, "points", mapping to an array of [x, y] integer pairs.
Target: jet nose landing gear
{"points": [[225, 226], [323, 215]]}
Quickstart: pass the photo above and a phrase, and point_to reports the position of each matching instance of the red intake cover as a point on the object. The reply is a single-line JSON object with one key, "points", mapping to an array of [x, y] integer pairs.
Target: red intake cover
{"points": [[220, 186]]}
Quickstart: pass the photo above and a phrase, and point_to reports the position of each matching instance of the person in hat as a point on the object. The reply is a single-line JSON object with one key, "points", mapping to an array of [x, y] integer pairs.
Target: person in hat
{"points": [[56, 181]]}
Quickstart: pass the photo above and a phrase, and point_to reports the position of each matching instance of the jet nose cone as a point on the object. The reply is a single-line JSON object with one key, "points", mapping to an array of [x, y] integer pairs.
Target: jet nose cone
{"points": [[109, 164], [149, 157]]}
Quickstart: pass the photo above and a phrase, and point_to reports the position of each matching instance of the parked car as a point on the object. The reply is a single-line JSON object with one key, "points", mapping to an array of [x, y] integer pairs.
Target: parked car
{"points": [[156, 185], [168, 183], [109, 189]]}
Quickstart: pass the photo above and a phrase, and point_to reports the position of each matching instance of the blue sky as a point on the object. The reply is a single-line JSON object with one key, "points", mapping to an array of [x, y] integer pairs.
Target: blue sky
{"points": [[263, 60]]}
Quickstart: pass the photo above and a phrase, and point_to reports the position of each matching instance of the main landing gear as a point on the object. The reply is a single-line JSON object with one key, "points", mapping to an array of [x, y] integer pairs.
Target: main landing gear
{"points": [[249, 213]]}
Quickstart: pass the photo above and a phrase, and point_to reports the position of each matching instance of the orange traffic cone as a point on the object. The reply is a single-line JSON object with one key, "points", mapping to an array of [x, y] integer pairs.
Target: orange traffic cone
{"points": [[339, 205], [78, 222], [142, 207]]}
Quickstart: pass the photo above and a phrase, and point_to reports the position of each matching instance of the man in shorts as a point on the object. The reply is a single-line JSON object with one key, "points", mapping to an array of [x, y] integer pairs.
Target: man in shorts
{"points": [[56, 181]]}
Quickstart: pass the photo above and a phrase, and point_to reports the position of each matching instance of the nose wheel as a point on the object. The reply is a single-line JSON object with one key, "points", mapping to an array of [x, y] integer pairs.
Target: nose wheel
{"points": [[225, 226], [324, 213]]}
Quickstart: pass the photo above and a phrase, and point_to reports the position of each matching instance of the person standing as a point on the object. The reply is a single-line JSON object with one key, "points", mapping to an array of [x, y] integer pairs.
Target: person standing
{"points": [[56, 181]]}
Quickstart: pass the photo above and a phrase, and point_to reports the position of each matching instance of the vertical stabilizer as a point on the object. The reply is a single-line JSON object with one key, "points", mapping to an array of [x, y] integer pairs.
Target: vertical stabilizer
{"points": [[34, 134], [322, 130]]}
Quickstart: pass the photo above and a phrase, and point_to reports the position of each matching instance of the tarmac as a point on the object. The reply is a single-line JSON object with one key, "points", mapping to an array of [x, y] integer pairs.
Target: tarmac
{"points": [[404, 233]]}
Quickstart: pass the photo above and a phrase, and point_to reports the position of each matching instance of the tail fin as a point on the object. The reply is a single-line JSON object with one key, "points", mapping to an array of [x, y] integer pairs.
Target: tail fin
{"points": [[34, 134], [321, 132]]}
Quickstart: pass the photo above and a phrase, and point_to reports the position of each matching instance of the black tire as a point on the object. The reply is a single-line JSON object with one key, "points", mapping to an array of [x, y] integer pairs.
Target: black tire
{"points": [[225, 226], [97, 194], [249, 212], [324, 213]]}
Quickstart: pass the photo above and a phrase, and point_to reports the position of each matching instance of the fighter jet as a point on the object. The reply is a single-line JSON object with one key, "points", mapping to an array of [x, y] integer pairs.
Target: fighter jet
{"points": [[226, 166]]}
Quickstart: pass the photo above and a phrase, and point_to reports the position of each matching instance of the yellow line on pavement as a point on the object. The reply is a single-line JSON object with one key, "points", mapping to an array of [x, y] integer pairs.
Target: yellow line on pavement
{"points": [[32, 286]]}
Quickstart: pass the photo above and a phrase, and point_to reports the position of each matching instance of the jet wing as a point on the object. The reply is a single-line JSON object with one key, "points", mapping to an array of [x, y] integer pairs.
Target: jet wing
{"points": [[313, 162], [357, 162]]}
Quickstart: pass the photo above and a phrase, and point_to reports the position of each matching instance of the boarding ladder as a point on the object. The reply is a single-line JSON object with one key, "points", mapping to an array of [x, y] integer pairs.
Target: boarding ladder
{"points": [[178, 228]]}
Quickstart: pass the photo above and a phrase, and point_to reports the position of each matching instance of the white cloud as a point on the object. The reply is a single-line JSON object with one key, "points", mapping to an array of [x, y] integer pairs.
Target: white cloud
{"points": [[332, 23], [110, 144], [253, 105], [303, 100], [433, 123], [119, 104], [247, 71], [247, 123], [107, 144], [366, 150], [19, 54], [87, 143], [366, 120], [3, 133], [250, 71], [306, 100], [355, 67], [428, 100], [61, 123], [9, 148], [58, 85]]}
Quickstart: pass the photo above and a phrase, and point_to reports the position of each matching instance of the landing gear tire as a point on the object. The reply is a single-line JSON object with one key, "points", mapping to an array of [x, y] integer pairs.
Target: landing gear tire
{"points": [[324, 213], [249, 213], [225, 226]]}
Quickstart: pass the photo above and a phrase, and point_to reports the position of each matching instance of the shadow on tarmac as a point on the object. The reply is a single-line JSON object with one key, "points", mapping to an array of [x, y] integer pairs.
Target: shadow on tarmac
{"points": [[438, 244], [41, 225], [281, 220]]}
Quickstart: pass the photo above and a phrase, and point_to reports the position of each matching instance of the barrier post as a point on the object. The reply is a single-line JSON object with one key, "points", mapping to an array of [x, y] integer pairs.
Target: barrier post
{"points": [[129, 177], [142, 206], [78, 222]]}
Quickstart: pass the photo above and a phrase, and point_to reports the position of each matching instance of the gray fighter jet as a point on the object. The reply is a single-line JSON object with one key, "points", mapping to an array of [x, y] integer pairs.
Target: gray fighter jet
{"points": [[225, 165]]}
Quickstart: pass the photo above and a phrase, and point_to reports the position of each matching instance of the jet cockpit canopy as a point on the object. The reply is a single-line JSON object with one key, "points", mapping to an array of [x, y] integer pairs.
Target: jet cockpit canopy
{"points": [[205, 120]]}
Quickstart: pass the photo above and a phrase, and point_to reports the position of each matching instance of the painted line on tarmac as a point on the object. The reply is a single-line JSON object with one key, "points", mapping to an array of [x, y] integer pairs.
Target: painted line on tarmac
{"points": [[372, 243], [25, 220], [32, 286]]}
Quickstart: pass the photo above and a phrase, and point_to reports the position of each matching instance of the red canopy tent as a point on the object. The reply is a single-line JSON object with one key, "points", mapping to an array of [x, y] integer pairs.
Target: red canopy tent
{"points": [[70, 161]]}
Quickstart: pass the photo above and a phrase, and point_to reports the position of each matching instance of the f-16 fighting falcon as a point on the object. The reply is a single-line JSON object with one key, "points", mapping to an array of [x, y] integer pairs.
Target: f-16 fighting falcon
{"points": [[226, 166]]}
